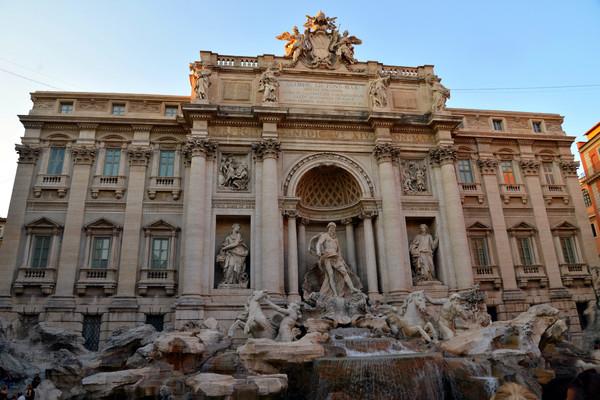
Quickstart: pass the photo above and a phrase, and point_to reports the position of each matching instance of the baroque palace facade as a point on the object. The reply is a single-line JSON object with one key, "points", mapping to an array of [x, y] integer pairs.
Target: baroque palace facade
{"points": [[131, 208]]}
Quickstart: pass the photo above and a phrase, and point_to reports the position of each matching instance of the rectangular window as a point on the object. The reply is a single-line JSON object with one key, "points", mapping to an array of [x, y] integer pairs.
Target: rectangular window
{"points": [[166, 163], [66, 107], [41, 249], [508, 176], [112, 159], [56, 160], [537, 126], [156, 320], [465, 172], [480, 251], [525, 251], [594, 230], [100, 252], [498, 125], [548, 169], [91, 331], [568, 249], [160, 253], [587, 200], [118, 109], [171, 111]]}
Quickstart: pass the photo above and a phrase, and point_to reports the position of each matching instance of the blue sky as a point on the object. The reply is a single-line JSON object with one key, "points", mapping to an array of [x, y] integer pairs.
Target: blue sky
{"points": [[145, 47]]}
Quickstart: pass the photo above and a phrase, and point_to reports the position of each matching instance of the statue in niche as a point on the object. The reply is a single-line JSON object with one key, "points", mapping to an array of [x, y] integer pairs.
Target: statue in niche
{"points": [[268, 85], [200, 80], [378, 91], [232, 258], [233, 174], [421, 250], [439, 92], [414, 177], [337, 280]]}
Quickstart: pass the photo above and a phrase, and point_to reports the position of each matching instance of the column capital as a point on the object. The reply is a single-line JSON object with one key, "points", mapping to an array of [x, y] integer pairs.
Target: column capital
{"points": [[442, 155], [304, 221], [488, 166], [139, 155], [290, 213], [27, 153], [267, 148], [367, 213], [83, 154], [346, 221], [385, 152], [569, 168], [530, 167], [196, 146]]}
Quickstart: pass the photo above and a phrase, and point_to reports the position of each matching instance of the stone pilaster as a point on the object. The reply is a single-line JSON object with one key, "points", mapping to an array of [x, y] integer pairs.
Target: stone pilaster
{"points": [[83, 158], [13, 231], [394, 226], [370, 255], [272, 274], [444, 156], [530, 169], [350, 244], [488, 168], [292, 256], [569, 173], [302, 247], [138, 157]]}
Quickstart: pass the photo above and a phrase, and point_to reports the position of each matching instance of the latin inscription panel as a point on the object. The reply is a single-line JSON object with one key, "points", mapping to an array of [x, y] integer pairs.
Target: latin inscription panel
{"points": [[322, 93]]}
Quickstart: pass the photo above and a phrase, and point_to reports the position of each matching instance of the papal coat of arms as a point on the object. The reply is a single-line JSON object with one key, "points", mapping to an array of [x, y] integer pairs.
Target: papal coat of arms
{"points": [[321, 45]]}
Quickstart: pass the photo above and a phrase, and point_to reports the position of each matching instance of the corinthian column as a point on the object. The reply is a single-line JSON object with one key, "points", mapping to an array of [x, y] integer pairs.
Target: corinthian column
{"points": [[271, 239], [292, 256], [350, 246], [194, 279], [83, 158], [373, 287], [28, 156], [531, 170], [444, 156], [394, 226]]}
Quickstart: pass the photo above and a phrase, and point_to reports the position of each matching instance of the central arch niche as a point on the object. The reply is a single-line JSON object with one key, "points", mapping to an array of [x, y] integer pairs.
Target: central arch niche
{"points": [[328, 187]]}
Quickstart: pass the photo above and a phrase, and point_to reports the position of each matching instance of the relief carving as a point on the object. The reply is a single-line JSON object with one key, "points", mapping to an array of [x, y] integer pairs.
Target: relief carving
{"points": [[414, 177], [233, 172]]}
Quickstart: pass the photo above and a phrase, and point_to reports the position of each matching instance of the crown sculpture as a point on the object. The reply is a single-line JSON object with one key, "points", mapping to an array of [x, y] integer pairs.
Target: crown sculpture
{"points": [[321, 45]]}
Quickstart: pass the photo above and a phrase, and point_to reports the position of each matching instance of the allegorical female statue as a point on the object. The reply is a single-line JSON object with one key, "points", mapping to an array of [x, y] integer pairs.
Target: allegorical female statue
{"points": [[421, 251], [232, 258]]}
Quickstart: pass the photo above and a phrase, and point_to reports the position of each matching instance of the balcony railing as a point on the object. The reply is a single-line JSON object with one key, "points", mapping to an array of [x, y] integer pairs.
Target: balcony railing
{"points": [[105, 278], [51, 182], [471, 190], [157, 278], [527, 273], [45, 278], [577, 271], [513, 190], [487, 273], [116, 184], [233, 61], [170, 184], [555, 191]]}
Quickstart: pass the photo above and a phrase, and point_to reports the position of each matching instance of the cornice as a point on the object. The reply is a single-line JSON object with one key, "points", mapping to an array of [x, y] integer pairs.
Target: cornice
{"points": [[515, 136]]}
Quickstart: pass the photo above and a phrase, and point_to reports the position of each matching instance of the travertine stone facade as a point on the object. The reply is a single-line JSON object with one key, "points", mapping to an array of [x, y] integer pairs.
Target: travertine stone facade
{"points": [[121, 201]]}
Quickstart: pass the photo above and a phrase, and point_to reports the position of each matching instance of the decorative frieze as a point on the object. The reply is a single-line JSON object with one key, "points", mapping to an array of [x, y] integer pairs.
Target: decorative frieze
{"points": [[385, 152], [27, 154], [83, 154], [569, 168], [530, 167], [196, 146], [139, 155], [442, 155], [268, 148], [488, 166]]}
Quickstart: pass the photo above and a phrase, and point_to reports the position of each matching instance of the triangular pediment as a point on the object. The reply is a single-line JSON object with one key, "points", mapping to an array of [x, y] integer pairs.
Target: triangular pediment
{"points": [[478, 226], [565, 226], [101, 223], [160, 225], [522, 227], [43, 223]]}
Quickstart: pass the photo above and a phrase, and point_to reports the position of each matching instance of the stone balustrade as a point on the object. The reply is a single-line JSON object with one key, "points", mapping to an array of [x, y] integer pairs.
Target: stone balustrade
{"points": [[116, 184], [235, 61], [157, 278], [487, 274], [170, 184], [575, 272], [45, 278], [531, 273], [555, 191], [471, 190], [60, 183], [507, 191], [105, 278]]}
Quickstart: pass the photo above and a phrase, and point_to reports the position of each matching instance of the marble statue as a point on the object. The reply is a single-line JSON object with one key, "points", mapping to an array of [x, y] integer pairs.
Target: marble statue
{"points": [[378, 91], [268, 85], [452, 309], [232, 258], [200, 80], [414, 177], [233, 174], [412, 318], [320, 45], [252, 320], [421, 251], [440, 94], [288, 330], [337, 281]]}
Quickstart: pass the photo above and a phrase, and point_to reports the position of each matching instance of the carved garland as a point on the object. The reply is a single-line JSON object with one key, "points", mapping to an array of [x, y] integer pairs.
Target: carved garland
{"points": [[351, 164]]}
